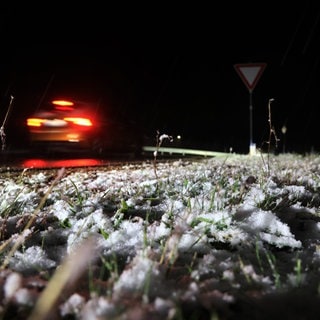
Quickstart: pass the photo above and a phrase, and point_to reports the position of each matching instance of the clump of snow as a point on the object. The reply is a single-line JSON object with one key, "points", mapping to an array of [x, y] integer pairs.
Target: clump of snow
{"points": [[73, 305], [25, 297], [143, 275], [33, 258], [269, 228], [12, 284], [97, 308]]}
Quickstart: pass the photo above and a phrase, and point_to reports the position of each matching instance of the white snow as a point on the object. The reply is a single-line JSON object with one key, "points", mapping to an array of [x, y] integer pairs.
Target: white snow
{"points": [[202, 208]]}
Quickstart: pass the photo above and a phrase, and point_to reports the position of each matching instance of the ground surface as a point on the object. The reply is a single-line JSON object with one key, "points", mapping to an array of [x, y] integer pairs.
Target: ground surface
{"points": [[233, 237]]}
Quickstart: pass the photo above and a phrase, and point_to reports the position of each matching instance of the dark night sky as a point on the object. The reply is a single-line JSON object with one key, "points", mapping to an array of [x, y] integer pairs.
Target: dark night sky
{"points": [[170, 66]]}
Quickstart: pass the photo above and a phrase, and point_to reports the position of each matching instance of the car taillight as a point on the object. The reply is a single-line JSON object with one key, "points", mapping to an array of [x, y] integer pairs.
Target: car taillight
{"points": [[34, 122], [63, 105], [79, 121]]}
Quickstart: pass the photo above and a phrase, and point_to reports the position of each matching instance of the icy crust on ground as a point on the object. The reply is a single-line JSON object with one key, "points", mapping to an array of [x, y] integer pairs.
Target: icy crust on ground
{"points": [[220, 217]]}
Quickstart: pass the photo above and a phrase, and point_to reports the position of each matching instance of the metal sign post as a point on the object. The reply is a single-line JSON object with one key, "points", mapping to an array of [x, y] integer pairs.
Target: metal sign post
{"points": [[250, 73]]}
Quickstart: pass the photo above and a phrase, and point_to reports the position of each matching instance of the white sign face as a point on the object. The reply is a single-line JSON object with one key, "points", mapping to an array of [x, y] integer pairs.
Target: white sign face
{"points": [[250, 73]]}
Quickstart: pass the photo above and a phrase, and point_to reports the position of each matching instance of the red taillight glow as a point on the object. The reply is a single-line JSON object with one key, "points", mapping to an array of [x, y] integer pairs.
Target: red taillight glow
{"points": [[64, 108], [38, 122], [79, 121], [34, 122], [63, 105]]}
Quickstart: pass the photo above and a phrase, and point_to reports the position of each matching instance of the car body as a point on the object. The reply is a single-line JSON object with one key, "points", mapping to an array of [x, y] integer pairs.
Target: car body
{"points": [[69, 124]]}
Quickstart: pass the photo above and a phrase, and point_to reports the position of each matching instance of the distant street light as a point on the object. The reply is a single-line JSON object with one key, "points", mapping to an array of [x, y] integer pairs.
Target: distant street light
{"points": [[284, 131]]}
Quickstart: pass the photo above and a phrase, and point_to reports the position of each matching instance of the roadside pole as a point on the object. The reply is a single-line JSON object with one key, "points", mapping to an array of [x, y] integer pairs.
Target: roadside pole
{"points": [[250, 73]]}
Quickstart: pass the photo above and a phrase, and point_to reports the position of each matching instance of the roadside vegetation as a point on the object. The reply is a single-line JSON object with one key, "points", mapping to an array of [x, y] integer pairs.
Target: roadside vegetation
{"points": [[214, 238]]}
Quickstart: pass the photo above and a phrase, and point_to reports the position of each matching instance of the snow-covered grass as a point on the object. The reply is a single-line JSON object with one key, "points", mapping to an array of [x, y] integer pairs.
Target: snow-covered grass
{"points": [[215, 238]]}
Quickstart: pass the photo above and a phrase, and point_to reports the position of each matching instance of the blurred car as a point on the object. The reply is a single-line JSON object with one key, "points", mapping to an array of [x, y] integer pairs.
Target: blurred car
{"points": [[66, 124]]}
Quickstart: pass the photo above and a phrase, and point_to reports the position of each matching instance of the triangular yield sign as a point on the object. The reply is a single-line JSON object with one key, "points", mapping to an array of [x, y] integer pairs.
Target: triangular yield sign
{"points": [[250, 73]]}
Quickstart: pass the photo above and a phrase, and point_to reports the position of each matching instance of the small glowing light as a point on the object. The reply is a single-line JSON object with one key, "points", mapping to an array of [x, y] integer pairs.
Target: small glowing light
{"points": [[79, 121], [62, 103], [34, 122], [73, 137]]}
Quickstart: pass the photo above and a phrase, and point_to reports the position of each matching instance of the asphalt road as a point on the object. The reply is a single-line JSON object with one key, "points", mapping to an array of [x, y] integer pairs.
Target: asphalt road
{"points": [[22, 159], [54, 159]]}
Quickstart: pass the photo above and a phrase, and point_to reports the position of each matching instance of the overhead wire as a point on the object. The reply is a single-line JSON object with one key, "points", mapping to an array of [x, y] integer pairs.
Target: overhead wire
{"points": [[292, 40]]}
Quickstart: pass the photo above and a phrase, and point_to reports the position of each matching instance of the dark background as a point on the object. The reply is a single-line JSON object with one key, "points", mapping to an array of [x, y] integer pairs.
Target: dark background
{"points": [[170, 66]]}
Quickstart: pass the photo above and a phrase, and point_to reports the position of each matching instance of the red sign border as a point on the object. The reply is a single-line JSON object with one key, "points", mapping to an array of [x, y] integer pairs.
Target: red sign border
{"points": [[238, 67]]}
